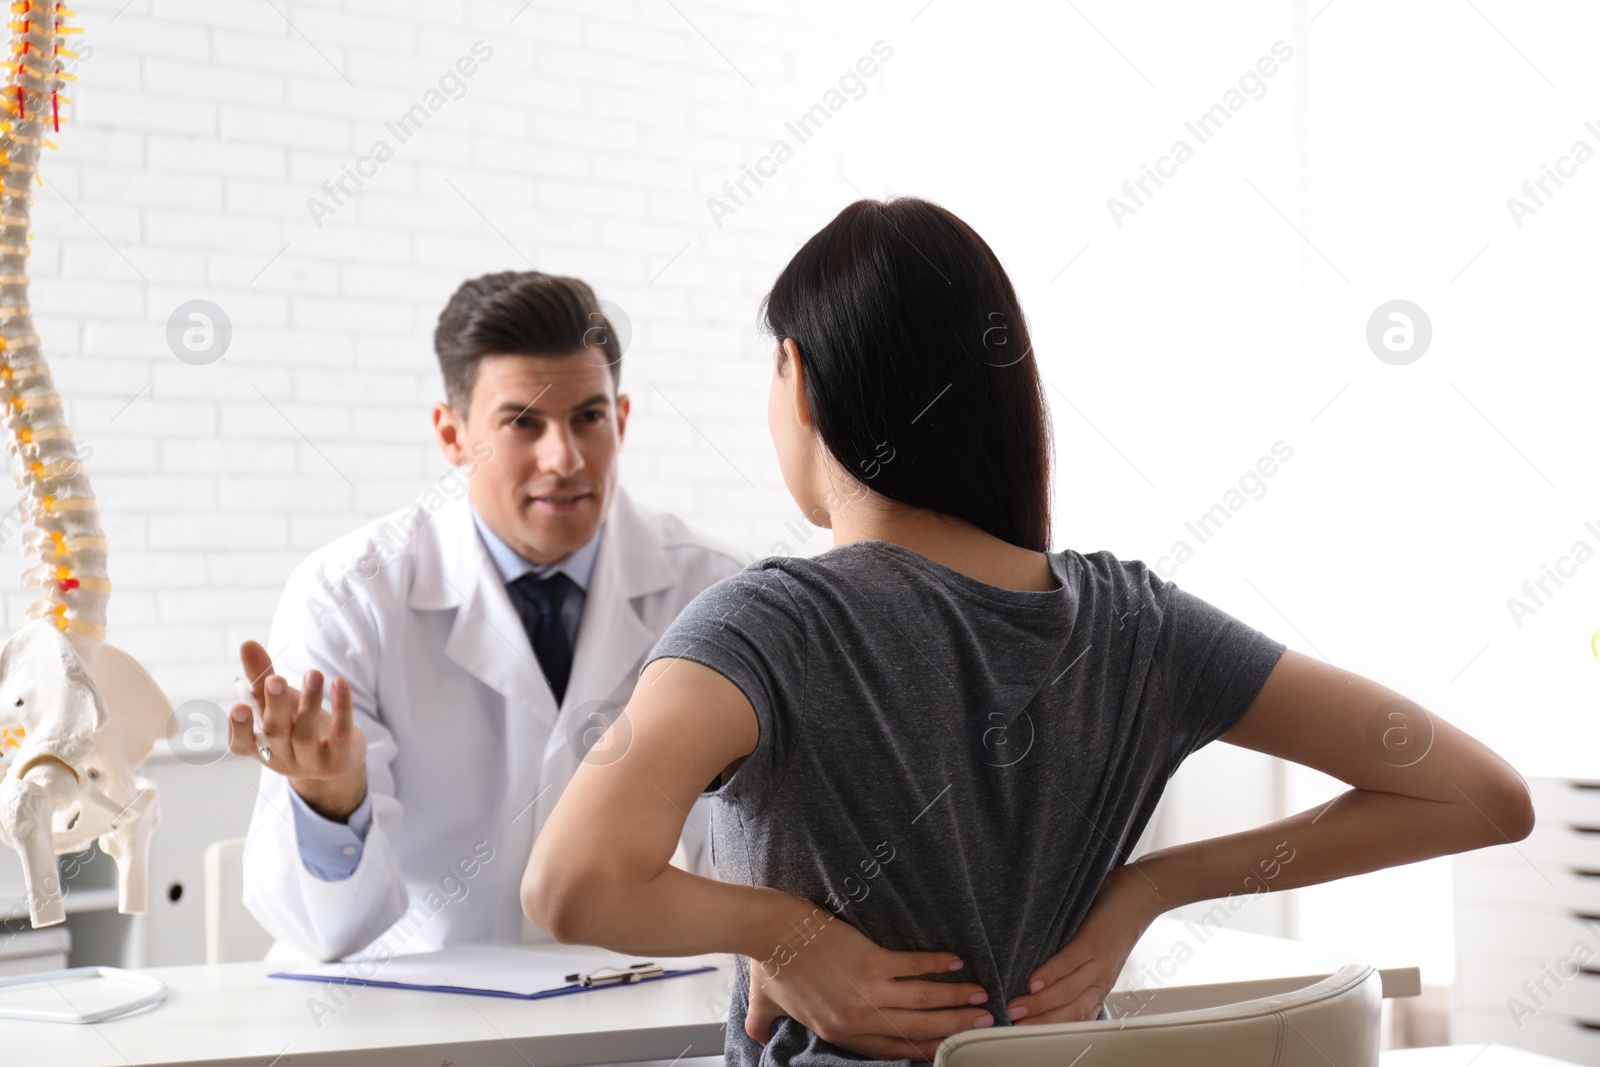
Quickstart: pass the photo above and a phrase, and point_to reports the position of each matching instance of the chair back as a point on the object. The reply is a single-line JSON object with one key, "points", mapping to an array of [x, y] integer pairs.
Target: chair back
{"points": [[232, 933], [1291, 1024]]}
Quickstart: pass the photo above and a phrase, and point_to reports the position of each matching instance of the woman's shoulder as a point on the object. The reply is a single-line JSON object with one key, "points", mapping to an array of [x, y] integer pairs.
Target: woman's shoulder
{"points": [[763, 581], [868, 563], [1107, 564], [1131, 577]]}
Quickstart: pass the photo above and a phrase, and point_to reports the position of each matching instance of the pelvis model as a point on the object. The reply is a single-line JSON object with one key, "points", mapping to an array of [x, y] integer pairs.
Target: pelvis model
{"points": [[77, 716]]}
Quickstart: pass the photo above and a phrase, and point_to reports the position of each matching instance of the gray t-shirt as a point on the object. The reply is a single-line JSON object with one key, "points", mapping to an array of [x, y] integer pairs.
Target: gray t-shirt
{"points": [[950, 765]]}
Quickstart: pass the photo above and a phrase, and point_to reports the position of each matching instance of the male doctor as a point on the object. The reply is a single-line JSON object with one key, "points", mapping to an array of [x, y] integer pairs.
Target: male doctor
{"points": [[471, 647]]}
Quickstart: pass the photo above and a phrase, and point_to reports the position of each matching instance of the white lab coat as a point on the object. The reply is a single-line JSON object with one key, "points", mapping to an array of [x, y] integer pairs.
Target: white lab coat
{"points": [[467, 753]]}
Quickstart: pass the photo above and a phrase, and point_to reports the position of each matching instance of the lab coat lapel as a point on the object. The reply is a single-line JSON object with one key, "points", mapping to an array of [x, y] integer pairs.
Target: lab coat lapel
{"points": [[630, 563], [612, 638], [487, 639]]}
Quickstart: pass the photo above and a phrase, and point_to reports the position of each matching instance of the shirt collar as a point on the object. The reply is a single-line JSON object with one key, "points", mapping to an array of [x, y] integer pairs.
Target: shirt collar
{"points": [[577, 565]]}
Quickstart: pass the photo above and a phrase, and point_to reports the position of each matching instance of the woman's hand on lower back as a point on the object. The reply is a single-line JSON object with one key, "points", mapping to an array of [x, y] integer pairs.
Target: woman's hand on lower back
{"points": [[1073, 984], [847, 990]]}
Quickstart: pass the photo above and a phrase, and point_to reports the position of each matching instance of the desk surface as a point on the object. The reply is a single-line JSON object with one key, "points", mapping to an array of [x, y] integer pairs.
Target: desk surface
{"points": [[1465, 1055], [230, 1015], [1175, 952]]}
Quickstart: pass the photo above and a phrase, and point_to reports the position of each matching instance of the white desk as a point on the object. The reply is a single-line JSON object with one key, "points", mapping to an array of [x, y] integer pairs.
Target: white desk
{"points": [[1177, 953], [1469, 1056], [232, 1015]]}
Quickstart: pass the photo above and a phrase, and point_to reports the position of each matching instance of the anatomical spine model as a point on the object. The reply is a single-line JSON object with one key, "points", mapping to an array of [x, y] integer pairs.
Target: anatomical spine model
{"points": [[77, 716]]}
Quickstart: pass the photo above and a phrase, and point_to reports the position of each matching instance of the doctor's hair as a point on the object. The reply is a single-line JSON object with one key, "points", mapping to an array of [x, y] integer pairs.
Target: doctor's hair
{"points": [[918, 367], [520, 313]]}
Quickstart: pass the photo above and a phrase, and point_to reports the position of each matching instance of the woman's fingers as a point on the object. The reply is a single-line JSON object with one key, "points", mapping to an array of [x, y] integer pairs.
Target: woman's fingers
{"points": [[922, 1026], [920, 994], [1056, 995], [1085, 1005], [1057, 967], [916, 964]]}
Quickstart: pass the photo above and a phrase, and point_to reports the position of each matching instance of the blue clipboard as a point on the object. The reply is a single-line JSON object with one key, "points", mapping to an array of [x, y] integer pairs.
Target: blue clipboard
{"points": [[500, 958], [561, 992]]}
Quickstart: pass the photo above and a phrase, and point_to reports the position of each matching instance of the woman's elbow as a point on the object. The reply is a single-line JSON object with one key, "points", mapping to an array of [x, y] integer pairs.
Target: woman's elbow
{"points": [[1501, 808], [558, 902], [1517, 808]]}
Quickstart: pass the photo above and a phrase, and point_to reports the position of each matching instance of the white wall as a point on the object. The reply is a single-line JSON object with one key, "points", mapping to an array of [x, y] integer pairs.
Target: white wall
{"points": [[1223, 316], [587, 143]]}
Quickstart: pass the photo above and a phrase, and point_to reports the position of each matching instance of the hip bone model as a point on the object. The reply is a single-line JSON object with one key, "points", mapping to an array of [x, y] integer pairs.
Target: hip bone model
{"points": [[77, 716]]}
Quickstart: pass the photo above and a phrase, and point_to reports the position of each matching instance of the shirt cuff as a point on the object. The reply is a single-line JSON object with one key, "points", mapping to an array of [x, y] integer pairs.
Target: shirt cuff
{"points": [[330, 850]]}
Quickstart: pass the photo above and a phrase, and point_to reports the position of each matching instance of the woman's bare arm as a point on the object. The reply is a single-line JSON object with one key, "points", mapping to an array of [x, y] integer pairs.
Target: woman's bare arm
{"points": [[1420, 788]]}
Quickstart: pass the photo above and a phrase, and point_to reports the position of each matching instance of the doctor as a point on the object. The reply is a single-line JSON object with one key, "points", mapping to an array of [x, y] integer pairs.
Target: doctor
{"points": [[471, 648]]}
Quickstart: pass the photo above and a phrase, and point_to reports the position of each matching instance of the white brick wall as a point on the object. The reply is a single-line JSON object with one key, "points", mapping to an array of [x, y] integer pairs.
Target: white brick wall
{"points": [[587, 145]]}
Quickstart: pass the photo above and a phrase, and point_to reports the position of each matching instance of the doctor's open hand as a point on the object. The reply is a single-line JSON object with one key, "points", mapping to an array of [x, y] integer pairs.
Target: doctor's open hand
{"points": [[323, 755]]}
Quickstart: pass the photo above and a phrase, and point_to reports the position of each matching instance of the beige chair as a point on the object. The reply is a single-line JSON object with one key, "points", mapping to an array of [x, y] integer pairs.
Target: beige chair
{"points": [[232, 933], [1331, 1023]]}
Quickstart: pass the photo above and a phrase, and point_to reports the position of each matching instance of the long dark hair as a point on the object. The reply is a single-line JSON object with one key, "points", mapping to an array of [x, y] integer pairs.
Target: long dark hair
{"points": [[918, 366]]}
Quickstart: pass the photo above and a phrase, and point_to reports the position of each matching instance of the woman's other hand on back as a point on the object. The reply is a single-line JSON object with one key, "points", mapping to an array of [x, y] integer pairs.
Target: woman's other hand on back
{"points": [[1072, 985]]}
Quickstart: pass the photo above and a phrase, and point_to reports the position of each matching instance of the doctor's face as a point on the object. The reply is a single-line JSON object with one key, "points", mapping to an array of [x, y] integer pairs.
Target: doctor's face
{"points": [[555, 427]]}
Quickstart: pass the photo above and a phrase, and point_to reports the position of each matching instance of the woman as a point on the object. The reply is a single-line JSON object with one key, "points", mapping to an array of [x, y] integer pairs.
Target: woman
{"points": [[936, 743]]}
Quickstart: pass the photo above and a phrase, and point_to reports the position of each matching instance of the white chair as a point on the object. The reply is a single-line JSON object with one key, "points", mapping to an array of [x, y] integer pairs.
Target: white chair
{"points": [[1331, 1023], [232, 933]]}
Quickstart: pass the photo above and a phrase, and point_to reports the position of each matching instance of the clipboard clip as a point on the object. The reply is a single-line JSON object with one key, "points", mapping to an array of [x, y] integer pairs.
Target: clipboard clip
{"points": [[616, 975]]}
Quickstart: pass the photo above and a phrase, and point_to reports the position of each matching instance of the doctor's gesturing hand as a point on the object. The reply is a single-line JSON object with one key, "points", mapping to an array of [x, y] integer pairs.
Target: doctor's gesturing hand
{"points": [[324, 756]]}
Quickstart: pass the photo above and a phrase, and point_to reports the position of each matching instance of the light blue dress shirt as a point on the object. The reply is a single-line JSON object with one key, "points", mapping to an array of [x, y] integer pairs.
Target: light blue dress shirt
{"points": [[332, 850]]}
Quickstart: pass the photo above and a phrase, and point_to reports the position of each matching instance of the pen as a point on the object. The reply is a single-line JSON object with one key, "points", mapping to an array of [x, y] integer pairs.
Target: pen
{"points": [[618, 976], [248, 696]]}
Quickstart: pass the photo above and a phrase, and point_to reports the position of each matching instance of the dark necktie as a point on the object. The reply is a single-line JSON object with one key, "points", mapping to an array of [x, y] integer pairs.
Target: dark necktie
{"points": [[538, 601]]}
